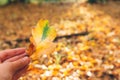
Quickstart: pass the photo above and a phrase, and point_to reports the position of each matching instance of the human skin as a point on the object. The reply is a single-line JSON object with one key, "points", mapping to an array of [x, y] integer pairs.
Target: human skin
{"points": [[13, 63]]}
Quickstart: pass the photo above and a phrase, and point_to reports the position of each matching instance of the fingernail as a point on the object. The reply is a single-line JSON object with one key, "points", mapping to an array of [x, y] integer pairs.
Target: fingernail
{"points": [[24, 54], [25, 58]]}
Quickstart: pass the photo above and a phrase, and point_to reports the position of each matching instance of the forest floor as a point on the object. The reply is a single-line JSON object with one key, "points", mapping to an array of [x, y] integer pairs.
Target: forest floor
{"points": [[18, 18], [99, 22]]}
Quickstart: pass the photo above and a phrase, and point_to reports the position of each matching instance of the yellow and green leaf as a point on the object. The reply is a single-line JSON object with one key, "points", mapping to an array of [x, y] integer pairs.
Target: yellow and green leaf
{"points": [[41, 39]]}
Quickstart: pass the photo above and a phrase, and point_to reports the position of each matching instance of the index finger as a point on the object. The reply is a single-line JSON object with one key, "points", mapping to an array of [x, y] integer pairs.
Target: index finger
{"points": [[6, 54]]}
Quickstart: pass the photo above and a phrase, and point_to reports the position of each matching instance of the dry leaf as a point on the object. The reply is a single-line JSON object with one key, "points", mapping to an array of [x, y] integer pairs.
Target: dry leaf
{"points": [[41, 40]]}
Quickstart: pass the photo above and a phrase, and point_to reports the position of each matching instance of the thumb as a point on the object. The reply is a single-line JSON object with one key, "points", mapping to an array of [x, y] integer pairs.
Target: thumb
{"points": [[19, 64]]}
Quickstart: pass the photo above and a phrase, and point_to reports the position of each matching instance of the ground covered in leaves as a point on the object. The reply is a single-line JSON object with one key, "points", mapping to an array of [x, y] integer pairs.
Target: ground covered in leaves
{"points": [[88, 41]]}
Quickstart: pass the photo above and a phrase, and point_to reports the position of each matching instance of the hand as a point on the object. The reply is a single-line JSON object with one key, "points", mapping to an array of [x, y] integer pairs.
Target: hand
{"points": [[13, 63]]}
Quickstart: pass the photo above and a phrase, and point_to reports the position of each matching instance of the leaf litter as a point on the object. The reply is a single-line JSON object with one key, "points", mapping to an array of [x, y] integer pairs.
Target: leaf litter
{"points": [[91, 57]]}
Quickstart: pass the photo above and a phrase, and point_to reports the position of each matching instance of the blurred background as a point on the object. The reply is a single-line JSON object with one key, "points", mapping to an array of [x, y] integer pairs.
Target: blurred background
{"points": [[90, 28]]}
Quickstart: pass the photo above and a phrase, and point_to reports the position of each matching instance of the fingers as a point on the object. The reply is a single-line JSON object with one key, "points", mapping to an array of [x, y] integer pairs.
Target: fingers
{"points": [[16, 57], [19, 64], [6, 54]]}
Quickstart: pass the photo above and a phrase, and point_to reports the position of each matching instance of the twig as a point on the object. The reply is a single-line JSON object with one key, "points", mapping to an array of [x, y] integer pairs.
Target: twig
{"points": [[19, 40], [71, 35]]}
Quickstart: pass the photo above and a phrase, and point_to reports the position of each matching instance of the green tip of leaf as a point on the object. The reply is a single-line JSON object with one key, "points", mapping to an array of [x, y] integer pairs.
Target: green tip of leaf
{"points": [[45, 31]]}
